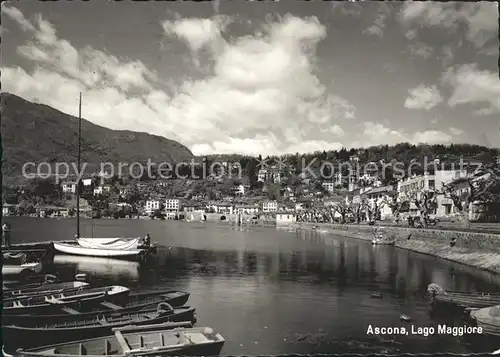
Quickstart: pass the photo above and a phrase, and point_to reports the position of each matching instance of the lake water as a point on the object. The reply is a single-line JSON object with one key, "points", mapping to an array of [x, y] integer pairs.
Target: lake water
{"points": [[271, 291]]}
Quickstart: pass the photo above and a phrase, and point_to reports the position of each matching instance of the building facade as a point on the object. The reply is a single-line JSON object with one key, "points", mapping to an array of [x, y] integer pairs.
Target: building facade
{"points": [[269, 206]]}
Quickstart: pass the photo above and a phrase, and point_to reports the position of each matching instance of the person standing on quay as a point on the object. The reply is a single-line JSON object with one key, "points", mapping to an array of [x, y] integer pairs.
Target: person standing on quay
{"points": [[6, 234]]}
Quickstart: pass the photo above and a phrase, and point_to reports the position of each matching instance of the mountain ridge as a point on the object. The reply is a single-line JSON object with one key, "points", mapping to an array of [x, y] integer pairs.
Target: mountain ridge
{"points": [[33, 132]]}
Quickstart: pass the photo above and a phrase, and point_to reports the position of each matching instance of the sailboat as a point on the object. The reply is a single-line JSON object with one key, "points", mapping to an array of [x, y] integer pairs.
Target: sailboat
{"points": [[100, 247]]}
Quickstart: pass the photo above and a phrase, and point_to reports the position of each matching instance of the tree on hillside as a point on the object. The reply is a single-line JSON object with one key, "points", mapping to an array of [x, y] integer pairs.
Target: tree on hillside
{"points": [[397, 206], [274, 191], [466, 191], [357, 211], [373, 209], [425, 201], [252, 171], [343, 209]]}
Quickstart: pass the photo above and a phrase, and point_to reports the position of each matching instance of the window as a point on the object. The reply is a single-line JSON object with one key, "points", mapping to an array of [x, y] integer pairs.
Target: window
{"points": [[432, 184]]}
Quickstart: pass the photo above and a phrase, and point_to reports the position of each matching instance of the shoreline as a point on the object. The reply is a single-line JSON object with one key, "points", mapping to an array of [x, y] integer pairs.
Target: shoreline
{"points": [[483, 255]]}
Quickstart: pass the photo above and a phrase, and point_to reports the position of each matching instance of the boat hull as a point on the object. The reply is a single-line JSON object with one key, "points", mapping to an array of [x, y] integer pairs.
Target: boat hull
{"points": [[52, 303], [14, 294], [169, 345], [21, 269], [136, 303], [16, 336], [75, 249]]}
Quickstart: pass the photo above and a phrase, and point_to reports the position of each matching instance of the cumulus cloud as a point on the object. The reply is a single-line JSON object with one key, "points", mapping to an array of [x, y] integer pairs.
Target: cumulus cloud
{"points": [[384, 10], [480, 18], [471, 85], [263, 85], [263, 96], [379, 133], [421, 49], [456, 131], [423, 97]]}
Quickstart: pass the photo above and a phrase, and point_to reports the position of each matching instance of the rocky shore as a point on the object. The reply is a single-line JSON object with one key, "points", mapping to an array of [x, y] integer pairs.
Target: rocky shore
{"points": [[478, 250]]}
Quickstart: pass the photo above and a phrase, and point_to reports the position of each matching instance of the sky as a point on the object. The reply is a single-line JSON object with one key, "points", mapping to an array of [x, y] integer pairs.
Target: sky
{"points": [[263, 77]]}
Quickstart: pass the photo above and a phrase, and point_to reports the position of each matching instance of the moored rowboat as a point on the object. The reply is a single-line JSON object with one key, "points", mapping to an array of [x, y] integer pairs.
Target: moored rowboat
{"points": [[29, 282], [152, 340], [440, 298], [55, 301], [100, 325], [20, 269], [134, 303], [14, 294]]}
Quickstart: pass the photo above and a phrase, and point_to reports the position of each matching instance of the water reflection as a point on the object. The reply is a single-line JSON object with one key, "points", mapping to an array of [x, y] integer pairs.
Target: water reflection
{"points": [[103, 268], [275, 292]]}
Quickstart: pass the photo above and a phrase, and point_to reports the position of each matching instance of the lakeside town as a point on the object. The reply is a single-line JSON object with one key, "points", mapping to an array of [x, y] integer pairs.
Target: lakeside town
{"points": [[277, 192]]}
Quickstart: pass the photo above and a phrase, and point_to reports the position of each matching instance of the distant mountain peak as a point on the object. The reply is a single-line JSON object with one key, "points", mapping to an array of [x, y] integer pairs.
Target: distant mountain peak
{"points": [[38, 133]]}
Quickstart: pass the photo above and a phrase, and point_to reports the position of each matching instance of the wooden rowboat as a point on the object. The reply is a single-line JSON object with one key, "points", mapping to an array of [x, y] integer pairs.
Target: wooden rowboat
{"points": [[488, 319], [76, 249], [151, 340], [458, 300], [21, 269], [135, 303], [57, 301], [30, 282], [15, 294], [83, 328]]}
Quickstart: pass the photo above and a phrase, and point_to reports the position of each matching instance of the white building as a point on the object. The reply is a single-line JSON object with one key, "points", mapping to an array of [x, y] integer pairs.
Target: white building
{"points": [[99, 190], [445, 205], [69, 187], [224, 208], [246, 209], [285, 218], [262, 175], [239, 190], [378, 196], [151, 206], [276, 176], [269, 206], [328, 186], [172, 205]]}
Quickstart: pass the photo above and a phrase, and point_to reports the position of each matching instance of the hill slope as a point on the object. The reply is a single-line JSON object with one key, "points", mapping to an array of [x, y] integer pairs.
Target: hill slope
{"points": [[38, 133]]}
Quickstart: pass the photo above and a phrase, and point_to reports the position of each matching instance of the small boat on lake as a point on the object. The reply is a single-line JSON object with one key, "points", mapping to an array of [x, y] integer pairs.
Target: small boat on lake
{"points": [[45, 289], [443, 300], [135, 302], [488, 319], [25, 269], [151, 340], [31, 281], [78, 328], [25, 262], [76, 249], [57, 301]]}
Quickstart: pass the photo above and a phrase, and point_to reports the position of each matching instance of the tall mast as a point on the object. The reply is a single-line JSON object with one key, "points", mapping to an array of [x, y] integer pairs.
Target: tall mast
{"points": [[78, 165]]}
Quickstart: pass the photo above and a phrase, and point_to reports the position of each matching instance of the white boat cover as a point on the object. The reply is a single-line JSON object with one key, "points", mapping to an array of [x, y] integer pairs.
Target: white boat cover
{"points": [[77, 249], [110, 243]]}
